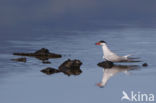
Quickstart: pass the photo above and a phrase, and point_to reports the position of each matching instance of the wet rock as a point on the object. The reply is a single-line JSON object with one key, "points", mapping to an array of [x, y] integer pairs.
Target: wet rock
{"points": [[144, 64], [46, 62], [71, 67], [50, 70], [106, 64], [42, 54], [20, 59]]}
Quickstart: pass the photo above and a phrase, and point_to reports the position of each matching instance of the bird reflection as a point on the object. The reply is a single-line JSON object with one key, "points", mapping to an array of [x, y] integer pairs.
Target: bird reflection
{"points": [[110, 72]]}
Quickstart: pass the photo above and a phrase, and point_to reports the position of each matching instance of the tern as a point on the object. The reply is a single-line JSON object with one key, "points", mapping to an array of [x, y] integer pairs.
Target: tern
{"points": [[110, 56]]}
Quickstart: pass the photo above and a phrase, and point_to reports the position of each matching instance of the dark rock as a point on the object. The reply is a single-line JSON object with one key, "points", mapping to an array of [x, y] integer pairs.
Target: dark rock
{"points": [[20, 59], [42, 54], [144, 64], [71, 67], [49, 71], [42, 51], [46, 62], [106, 64]]}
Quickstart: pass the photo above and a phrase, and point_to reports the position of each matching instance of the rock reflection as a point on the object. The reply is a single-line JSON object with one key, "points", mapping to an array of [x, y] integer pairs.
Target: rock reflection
{"points": [[110, 72]]}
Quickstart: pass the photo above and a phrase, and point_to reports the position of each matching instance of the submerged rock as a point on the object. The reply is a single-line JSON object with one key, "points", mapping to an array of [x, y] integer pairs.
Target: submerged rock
{"points": [[46, 62], [20, 59], [50, 70], [106, 64], [42, 54], [145, 65], [69, 67]]}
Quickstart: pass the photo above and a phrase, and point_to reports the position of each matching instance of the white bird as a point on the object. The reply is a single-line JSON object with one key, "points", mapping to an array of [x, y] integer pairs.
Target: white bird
{"points": [[110, 56]]}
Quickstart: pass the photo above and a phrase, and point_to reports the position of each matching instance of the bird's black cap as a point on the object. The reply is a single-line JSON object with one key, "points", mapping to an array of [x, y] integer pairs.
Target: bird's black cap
{"points": [[102, 41]]}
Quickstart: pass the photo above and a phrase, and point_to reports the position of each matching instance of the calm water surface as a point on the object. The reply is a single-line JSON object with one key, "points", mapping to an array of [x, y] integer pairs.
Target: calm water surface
{"points": [[24, 83]]}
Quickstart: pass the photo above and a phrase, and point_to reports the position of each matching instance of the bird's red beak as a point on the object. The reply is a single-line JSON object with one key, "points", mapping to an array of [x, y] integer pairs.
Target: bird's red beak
{"points": [[99, 85], [98, 43]]}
